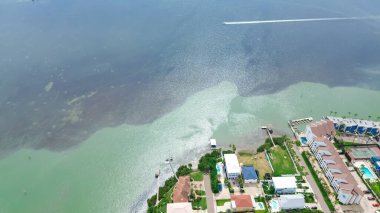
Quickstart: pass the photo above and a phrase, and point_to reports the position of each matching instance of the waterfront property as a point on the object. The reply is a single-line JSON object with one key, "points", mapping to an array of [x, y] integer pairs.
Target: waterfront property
{"points": [[181, 190], [183, 207], [363, 152], [285, 185], [288, 202], [319, 135], [233, 169], [355, 125], [375, 160], [242, 203], [249, 174]]}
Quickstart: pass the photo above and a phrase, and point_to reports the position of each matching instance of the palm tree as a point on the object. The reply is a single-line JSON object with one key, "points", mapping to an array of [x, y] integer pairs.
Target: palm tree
{"points": [[331, 112], [378, 118], [335, 113], [369, 117], [349, 114], [356, 115]]}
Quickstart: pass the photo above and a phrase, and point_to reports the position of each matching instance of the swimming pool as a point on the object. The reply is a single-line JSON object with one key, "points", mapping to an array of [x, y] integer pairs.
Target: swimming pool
{"points": [[259, 206], [303, 140], [218, 168], [275, 206], [367, 173]]}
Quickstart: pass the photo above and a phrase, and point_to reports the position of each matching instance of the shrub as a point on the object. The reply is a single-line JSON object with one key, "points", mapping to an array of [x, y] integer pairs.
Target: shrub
{"points": [[214, 178], [205, 161], [183, 171]]}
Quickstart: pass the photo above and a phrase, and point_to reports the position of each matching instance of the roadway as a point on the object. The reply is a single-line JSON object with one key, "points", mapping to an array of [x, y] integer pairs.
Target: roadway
{"points": [[311, 181], [209, 194]]}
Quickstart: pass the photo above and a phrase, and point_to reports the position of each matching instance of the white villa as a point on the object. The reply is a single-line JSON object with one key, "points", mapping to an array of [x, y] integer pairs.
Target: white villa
{"points": [[233, 169], [285, 185], [296, 201]]}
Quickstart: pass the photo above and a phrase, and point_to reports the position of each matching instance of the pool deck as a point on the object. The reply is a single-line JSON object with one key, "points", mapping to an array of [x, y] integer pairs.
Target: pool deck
{"points": [[366, 164]]}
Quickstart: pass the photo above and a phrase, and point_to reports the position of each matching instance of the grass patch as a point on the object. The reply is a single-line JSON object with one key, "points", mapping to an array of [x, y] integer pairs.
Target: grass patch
{"points": [[200, 203], [309, 198], [221, 202], [261, 164], [200, 192], [375, 188], [318, 182], [281, 161], [245, 158], [197, 176]]}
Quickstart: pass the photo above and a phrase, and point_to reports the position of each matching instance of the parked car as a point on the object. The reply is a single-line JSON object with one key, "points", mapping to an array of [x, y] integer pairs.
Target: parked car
{"points": [[366, 192], [375, 204], [314, 207], [371, 198]]}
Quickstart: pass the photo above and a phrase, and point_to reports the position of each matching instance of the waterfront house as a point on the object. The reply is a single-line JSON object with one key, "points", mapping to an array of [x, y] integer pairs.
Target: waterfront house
{"points": [[184, 207], [288, 202], [340, 178], [232, 166], [323, 128], [285, 185], [242, 203], [181, 190], [249, 174]]}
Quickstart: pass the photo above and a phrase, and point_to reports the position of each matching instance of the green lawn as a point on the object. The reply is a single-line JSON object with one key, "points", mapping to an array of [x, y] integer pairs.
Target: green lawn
{"points": [[309, 198], [197, 176], [200, 192], [222, 201], [200, 204], [281, 161], [376, 187]]}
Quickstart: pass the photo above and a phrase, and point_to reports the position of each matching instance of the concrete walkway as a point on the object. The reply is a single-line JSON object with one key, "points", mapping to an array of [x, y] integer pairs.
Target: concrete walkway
{"points": [[311, 181], [209, 194]]}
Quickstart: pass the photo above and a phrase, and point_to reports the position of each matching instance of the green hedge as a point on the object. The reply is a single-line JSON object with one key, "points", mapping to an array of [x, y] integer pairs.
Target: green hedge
{"points": [[318, 182], [214, 178]]}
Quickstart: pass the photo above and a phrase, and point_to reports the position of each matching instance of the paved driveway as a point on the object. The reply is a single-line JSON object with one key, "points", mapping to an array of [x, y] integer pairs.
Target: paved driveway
{"points": [[311, 181], [209, 194]]}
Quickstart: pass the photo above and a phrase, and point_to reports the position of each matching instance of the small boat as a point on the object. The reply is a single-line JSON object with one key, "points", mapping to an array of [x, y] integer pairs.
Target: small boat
{"points": [[157, 174]]}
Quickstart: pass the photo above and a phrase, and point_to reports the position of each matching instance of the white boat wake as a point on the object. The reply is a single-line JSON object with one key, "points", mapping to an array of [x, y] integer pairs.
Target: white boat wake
{"points": [[300, 20]]}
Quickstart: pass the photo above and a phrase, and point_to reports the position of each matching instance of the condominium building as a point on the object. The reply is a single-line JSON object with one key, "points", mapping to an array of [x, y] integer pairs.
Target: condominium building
{"points": [[319, 136]]}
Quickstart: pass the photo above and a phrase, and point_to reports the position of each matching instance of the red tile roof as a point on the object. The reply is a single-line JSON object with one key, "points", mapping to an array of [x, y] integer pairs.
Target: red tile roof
{"points": [[182, 190], [242, 201]]}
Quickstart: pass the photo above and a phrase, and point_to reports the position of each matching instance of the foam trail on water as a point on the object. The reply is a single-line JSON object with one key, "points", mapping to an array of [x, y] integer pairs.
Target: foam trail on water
{"points": [[300, 20]]}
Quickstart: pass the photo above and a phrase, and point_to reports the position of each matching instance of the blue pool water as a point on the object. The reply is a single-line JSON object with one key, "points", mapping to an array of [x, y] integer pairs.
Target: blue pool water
{"points": [[261, 205], [367, 173], [218, 168], [303, 140], [274, 204]]}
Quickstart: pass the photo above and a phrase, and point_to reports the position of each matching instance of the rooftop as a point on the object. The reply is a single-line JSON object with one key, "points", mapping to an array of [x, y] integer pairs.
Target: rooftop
{"points": [[182, 190], [232, 163], [243, 201], [183, 207], [284, 182], [249, 173]]}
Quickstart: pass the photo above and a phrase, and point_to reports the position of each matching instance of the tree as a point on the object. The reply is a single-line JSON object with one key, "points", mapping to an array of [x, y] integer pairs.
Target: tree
{"points": [[331, 112], [378, 118], [369, 117], [349, 113], [335, 113]]}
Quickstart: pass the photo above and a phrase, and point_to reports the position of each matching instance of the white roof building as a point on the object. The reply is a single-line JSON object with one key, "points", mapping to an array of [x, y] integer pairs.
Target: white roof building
{"points": [[285, 184], [179, 208], [232, 165], [296, 201], [213, 143]]}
